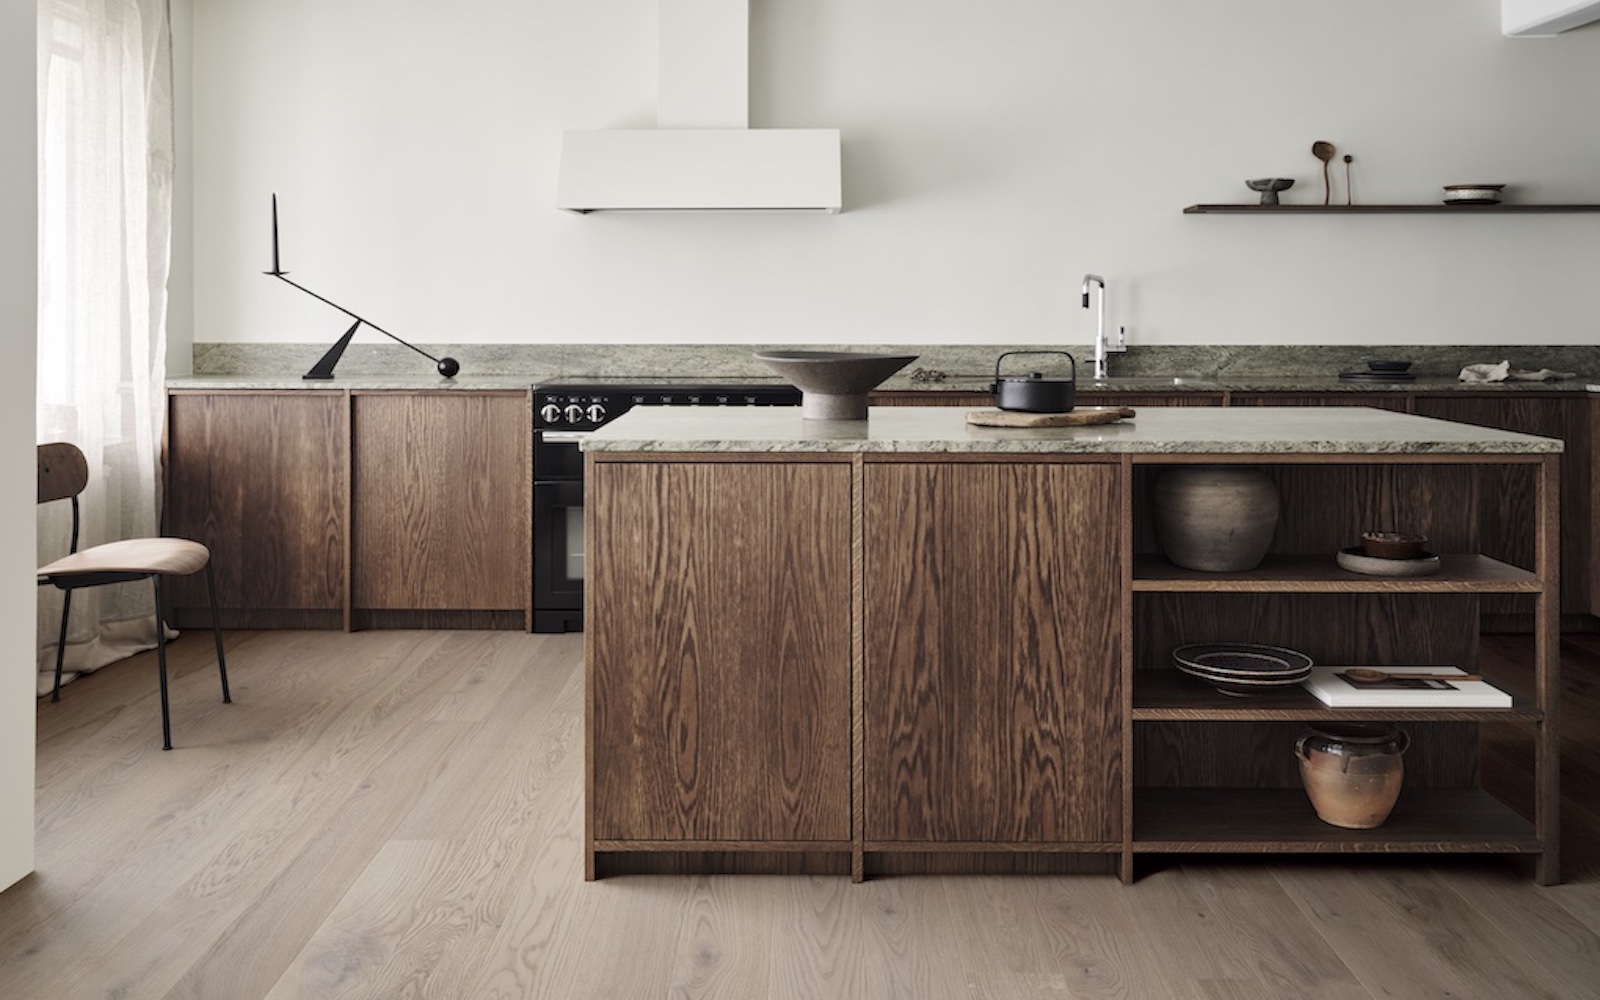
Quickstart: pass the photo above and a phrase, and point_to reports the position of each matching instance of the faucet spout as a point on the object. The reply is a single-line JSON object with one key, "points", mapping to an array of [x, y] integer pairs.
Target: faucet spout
{"points": [[1102, 345]]}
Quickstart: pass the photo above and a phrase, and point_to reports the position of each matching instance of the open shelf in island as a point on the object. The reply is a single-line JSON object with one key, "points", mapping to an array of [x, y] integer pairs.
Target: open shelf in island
{"points": [[1321, 574], [1168, 696], [1281, 820]]}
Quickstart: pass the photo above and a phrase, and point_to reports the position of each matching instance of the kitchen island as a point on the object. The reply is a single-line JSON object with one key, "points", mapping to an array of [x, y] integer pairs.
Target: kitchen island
{"points": [[907, 644]]}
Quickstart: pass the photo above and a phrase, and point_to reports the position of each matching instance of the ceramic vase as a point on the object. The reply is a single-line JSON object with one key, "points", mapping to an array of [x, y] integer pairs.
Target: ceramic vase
{"points": [[1217, 518], [1352, 772]]}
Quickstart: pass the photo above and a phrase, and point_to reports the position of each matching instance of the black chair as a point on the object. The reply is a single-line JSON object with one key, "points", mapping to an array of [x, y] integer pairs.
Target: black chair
{"points": [[63, 474]]}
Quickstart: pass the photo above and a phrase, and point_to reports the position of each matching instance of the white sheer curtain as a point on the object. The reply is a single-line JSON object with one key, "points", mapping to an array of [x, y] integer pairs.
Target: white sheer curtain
{"points": [[105, 222]]}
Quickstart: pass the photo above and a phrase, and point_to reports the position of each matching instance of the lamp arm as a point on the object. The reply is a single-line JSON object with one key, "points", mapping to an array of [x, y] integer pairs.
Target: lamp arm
{"points": [[283, 277], [448, 367]]}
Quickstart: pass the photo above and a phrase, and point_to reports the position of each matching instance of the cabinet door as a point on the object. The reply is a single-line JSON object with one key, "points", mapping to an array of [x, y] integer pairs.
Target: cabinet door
{"points": [[1381, 400], [1138, 399], [441, 504], [993, 644], [719, 660], [260, 479], [1509, 509]]}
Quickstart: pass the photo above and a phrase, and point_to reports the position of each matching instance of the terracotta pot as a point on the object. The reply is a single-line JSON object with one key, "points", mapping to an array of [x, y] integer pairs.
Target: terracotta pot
{"points": [[1217, 518], [1352, 772]]}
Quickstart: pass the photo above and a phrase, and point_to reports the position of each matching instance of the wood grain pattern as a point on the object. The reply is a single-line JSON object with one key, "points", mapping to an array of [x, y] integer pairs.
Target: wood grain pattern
{"points": [[1455, 949], [992, 638], [1246, 820], [1384, 400], [260, 479], [441, 509], [1139, 399], [1591, 505], [1509, 513], [247, 862], [719, 632], [1325, 506], [1330, 628], [1167, 695], [1457, 574]]}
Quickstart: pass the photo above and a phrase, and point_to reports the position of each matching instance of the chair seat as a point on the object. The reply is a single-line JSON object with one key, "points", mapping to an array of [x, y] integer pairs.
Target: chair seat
{"points": [[173, 556]]}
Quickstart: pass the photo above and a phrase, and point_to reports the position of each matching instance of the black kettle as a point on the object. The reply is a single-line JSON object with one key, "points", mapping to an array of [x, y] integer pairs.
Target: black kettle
{"points": [[1035, 393]]}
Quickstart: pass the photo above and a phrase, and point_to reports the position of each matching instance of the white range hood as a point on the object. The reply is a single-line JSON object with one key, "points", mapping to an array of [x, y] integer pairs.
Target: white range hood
{"points": [[703, 156], [1543, 18]]}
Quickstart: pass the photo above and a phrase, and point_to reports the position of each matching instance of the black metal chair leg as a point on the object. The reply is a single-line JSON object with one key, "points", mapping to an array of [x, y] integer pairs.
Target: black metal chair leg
{"points": [[216, 633], [61, 642], [161, 662]]}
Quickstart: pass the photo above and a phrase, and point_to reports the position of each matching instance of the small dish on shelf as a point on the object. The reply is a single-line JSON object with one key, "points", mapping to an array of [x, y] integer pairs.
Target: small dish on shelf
{"points": [[1356, 560], [1472, 194], [1242, 668], [1393, 544]]}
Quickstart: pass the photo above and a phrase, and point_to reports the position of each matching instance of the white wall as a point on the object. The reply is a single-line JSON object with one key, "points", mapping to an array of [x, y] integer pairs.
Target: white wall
{"points": [[19, 280], [994, 152], [180, 280]]}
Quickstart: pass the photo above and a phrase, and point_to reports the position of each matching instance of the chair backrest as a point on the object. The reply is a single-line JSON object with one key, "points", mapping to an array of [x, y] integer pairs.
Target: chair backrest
{"points": [[62, 471]]}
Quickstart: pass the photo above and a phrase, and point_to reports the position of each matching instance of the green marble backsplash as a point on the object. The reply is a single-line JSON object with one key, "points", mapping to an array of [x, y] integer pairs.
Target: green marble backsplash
{"points": [[956, 361]]}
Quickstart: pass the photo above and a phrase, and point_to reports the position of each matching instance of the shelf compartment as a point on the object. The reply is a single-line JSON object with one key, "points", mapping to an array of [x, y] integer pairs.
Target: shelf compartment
{"points": [[1168, 696], [1281, 820], [1319, 574], [1440, 208]]}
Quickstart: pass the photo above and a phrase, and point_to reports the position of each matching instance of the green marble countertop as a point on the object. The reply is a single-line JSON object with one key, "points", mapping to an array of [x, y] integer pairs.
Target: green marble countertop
{"points": [[1155, 431], [1137, 384], [1177, 385], [414, 383], [958, 367]]}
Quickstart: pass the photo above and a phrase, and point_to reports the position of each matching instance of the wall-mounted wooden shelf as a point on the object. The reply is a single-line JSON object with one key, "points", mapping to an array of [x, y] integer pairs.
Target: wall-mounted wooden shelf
{"points": [[1382, 209]]}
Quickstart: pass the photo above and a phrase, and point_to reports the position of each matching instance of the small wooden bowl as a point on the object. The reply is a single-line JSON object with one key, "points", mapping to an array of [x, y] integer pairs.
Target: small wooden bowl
{"points": [[1393, 544]]}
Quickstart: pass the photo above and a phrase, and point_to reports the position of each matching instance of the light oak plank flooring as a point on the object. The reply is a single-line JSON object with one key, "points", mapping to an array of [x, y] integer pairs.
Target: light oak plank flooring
{"points": [[398, 814]]}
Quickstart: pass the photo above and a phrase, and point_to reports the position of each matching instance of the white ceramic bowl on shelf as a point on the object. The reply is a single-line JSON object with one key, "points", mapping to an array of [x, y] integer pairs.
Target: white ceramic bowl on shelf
{"points": [[1356, 560], [1472, 194]]}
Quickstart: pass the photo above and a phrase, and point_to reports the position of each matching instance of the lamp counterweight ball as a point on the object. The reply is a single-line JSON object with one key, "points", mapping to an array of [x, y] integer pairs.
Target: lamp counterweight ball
{"points": [[323, 369]]}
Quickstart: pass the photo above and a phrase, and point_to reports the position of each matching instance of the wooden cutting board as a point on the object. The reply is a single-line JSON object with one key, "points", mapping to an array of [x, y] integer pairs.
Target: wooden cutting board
{"points": [[1080, 417]]}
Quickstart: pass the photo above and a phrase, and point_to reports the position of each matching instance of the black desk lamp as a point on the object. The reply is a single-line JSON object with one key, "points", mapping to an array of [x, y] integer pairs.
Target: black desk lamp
{"points": [[323, 369]]}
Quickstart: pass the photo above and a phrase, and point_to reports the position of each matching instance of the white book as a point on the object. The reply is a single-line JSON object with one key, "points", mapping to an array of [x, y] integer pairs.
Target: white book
{"points": [[1336, 692]]}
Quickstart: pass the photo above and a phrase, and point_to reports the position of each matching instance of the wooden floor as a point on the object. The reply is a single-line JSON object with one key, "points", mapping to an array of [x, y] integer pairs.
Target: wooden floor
{"points": [[397, 814]]}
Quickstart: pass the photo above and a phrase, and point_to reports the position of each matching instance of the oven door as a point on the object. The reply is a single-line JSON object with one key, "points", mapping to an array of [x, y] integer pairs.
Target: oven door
{"points": [[558, 557], [556, 455]]}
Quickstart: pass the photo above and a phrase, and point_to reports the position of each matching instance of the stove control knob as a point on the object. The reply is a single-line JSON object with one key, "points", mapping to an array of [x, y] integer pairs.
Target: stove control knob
{"points": [[574, 413], [597, 412], [550, 413]]}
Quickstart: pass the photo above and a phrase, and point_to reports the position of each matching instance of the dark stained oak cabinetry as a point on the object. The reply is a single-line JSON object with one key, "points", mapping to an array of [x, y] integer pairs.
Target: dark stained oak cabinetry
{"points": [[991, 622], [1378, 400], [820, 655], [261, 478], [1505, 512], [336, 509], [719, 697], [1508, 511], [1213, 773], [441, 506], [992, 597]]}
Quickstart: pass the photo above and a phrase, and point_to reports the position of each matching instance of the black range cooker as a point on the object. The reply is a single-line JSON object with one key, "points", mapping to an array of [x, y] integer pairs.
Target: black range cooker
{"points": [[564, 413]]}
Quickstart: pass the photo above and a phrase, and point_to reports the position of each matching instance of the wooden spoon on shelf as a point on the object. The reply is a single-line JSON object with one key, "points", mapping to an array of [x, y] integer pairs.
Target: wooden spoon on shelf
{"points": [[1324, 151], [1371, 675]]}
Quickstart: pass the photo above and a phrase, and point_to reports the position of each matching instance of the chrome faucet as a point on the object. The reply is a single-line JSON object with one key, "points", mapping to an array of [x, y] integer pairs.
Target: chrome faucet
{"points": [[1102, 345]]}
